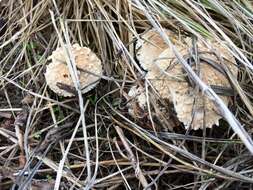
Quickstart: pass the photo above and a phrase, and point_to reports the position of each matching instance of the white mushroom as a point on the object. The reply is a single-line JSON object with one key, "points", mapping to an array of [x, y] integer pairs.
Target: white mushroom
{"points": [[88, 65], [169, 79], [149, 47]]}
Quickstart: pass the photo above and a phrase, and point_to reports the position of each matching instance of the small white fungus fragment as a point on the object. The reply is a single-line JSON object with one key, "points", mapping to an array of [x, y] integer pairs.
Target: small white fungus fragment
{"points": [[137, 101]]}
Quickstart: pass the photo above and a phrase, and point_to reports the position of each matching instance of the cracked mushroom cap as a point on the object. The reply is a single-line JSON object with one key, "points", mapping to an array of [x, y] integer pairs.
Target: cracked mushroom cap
{"points": [[149, 47], [88, 66], [192, 107]]}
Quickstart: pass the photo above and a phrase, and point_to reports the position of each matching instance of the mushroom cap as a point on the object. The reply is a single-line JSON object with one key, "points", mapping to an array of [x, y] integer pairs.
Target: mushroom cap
{"points": [[149, 47], [189, 103], [88, 65]]}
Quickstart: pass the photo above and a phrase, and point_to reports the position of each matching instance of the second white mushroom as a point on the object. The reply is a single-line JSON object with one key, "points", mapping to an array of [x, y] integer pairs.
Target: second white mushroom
{"points": [[167, 76]]}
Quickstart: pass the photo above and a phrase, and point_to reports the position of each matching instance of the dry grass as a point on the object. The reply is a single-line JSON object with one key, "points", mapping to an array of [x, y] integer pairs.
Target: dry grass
{"points": [[90, 141]]}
